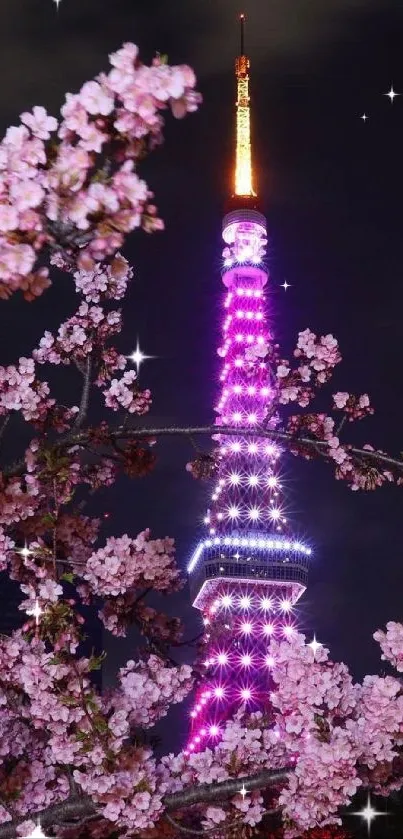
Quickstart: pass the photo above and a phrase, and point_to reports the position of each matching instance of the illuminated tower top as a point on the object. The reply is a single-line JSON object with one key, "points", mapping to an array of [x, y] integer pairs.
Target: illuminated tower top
{"points": [[243, 185], [249, 543]]}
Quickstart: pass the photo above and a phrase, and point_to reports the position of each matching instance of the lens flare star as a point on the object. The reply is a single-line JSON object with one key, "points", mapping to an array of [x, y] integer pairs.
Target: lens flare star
{"points": [[364, 117], [285, 285], [36, 832], [368, 813], [137, 356], [315, 645], [35, 612], [392, 94]]}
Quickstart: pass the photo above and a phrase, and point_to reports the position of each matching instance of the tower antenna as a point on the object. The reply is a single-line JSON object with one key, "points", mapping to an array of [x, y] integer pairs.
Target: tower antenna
{"points": [[243, 154], [242, 26]]}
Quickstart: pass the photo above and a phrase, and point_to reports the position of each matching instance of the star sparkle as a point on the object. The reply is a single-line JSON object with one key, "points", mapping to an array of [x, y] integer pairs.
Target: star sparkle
{"points": [[36, 832], [285, 285], [391, 94], [243, 791], [368, 813], [36, 611], [364, 117], [315, 645], [25, 552], [137, 356]]}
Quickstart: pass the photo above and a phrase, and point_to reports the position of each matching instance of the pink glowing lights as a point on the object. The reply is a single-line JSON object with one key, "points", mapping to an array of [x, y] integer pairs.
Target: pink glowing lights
{"points": [[247, 605]]}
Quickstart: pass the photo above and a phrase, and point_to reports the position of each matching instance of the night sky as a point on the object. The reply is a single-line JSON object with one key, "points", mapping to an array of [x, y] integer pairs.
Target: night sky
{"points": [[332, 190]]}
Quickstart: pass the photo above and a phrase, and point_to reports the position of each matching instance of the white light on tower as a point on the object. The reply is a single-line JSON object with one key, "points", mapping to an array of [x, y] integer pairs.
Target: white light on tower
{"points": [[266, 603], [226, 600]]}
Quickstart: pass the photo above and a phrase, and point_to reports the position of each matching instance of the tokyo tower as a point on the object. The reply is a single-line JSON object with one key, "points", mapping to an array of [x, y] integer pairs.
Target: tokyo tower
{"points": [[249, 572]]}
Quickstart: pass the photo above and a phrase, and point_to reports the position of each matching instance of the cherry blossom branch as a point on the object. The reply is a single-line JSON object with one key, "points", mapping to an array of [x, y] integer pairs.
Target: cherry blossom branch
{"points": [[80, 807], [82, 413], [321, 446], [210, 830], [206, 793]]}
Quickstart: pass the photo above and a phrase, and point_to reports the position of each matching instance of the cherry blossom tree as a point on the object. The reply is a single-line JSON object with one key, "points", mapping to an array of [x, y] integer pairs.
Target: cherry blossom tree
{"points": [[79, 760]]}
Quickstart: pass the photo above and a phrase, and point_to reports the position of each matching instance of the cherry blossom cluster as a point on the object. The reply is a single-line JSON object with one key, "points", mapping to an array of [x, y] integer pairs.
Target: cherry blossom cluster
{"points": [[104, 282], [57, 720], [335, 735], [391, 643], [316, 359], [20, 390], [84, 337], [354, 407], [72, 186], [297, 384], [78, 336], [204, 466]]}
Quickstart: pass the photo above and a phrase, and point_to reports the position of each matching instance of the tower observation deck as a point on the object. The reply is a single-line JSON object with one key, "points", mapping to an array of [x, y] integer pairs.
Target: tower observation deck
{"points": [[250, 569]]}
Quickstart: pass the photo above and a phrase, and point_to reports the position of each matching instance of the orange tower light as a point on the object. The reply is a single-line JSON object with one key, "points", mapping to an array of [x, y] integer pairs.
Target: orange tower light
{"points": [[243, 157]]}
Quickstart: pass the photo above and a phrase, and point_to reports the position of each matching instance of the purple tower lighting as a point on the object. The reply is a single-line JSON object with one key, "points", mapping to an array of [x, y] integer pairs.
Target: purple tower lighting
{"points": [[249, 571]]}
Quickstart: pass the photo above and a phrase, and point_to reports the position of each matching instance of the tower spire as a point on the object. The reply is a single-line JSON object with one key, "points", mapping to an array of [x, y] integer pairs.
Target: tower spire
{"points": [[242, 27], [243, 155]]}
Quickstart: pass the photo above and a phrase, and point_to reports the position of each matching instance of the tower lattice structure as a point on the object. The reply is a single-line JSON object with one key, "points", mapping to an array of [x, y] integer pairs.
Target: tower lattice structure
{"points": [[250, 570]]}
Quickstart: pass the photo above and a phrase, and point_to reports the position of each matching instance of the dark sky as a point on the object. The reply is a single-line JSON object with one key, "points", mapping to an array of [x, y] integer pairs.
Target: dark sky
{"points": [[332, 189]]}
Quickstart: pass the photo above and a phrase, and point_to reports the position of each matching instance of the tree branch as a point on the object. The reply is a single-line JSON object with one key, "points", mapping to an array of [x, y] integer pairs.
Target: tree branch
{"points": [[209, 830], [82, 438], [82, 413], [205, 793], [81, 807], [278, 436]]}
